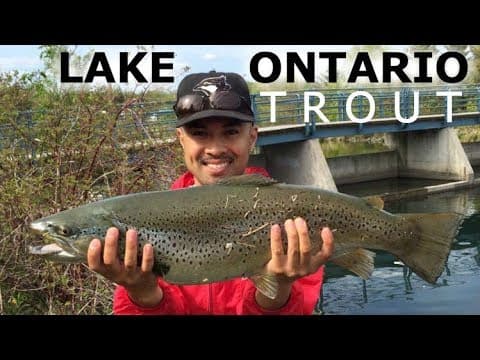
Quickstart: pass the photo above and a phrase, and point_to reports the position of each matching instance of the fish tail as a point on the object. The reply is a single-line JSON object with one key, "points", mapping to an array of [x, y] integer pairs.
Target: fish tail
{"points": [[432, 240]]}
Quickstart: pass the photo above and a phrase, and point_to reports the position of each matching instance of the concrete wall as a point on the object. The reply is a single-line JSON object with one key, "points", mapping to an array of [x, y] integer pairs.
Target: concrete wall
{"points": [[286, 164], [364, 167], [472, 150], [433, 154], [300, 163]]}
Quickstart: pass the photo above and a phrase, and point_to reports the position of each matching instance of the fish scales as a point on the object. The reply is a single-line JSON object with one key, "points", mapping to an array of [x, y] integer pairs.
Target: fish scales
{"points": [[217, 232]]}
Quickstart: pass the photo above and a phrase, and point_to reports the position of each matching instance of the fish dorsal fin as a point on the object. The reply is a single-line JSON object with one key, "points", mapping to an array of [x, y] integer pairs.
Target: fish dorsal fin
{"points": [[375, 201], [359, 261], [247, 179], [267, 284]]}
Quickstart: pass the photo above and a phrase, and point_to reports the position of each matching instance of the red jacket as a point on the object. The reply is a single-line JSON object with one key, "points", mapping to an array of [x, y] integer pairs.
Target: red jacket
{"points": [[232, 297]]}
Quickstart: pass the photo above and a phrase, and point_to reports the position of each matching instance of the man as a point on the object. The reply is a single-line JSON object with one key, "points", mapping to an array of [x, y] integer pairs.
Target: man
{"points": [[217, 131]]}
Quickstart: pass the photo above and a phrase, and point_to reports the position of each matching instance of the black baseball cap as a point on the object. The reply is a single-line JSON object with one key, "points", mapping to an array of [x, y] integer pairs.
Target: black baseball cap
{"points": [[213, 95]]}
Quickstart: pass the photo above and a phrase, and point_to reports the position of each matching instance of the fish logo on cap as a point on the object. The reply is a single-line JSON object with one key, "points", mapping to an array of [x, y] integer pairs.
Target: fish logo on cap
{"points": [[211, 85]]}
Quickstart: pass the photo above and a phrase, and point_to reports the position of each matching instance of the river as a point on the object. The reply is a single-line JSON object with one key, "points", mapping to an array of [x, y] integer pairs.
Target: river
{"points": [[393, 288]]}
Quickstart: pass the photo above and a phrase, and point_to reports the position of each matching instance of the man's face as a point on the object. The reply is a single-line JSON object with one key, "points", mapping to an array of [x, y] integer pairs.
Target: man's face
{"points": [[215, 148]]}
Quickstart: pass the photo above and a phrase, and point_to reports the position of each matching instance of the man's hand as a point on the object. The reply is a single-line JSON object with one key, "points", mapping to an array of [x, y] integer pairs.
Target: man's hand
{"points": [[299, 260], [139, 281]]}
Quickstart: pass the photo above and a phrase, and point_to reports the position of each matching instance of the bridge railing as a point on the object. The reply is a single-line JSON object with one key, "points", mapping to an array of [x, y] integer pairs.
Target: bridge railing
{"points": [[156, 120], [290, 108]]}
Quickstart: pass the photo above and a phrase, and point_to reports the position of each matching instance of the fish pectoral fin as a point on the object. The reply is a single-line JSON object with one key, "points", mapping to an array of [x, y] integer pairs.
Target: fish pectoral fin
{"points": [[359, 261], [375, 201], [267, 284]]}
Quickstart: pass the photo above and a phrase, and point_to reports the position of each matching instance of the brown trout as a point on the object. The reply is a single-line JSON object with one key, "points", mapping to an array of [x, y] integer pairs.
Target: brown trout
{"points": [[217, 232]]}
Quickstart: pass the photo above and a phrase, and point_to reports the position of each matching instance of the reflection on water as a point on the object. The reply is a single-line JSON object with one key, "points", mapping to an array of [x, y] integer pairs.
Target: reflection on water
{"points": [[394, 289]]}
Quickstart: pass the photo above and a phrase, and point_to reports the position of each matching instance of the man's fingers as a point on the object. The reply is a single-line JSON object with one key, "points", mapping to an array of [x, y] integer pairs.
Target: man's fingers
{"points": [[147, 258], [327, 248], [305, 245], [131, 249], [110, 249], [94, 255], [276, 244], [293, 250]]}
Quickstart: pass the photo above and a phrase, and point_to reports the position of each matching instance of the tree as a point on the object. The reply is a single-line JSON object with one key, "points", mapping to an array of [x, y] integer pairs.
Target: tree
{"points": [[50, 55], [475, 64]]}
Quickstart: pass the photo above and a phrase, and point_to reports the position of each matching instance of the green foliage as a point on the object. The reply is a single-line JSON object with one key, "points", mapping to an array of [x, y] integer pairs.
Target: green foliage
{"points": [[475, 64], [360, 144], [63, 148], [468, 133], [50, 55]]}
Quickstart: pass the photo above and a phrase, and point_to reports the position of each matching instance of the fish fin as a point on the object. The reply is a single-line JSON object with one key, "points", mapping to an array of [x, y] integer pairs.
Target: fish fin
{"points": [[375, 201], [247, 179], [432, 238], [267, 284], [359, 261]]}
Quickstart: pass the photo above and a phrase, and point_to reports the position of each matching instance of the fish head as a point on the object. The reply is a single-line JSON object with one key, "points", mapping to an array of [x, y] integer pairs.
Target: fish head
{"points": [[69, 233]]}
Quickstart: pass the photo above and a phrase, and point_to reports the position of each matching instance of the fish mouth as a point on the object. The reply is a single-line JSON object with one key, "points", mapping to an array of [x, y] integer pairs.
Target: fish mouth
{"points": [[55, 253], [59, 250], [47, 230]]}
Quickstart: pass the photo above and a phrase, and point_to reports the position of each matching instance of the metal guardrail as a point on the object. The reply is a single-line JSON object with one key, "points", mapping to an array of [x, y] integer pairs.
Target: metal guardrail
{"points": [[290, 109], [156, 119]]}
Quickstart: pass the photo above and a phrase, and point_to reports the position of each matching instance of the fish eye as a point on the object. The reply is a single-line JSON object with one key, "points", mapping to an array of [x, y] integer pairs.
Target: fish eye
{"points": [[63, 230]]}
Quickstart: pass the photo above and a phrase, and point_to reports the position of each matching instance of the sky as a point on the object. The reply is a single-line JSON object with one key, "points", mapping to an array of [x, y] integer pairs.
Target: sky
{"points": [[198, 58]]}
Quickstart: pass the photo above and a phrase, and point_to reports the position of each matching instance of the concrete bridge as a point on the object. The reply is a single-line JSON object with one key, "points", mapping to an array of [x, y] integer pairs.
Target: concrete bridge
{"points": [[426, 147]]}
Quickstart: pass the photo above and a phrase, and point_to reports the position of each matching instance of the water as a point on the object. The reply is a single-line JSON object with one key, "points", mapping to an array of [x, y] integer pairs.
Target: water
{"points": [[393, 185], [394, 289]]}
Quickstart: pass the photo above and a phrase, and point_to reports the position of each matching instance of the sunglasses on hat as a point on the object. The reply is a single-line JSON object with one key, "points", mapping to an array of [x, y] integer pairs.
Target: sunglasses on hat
{"points": [[219, 100]]}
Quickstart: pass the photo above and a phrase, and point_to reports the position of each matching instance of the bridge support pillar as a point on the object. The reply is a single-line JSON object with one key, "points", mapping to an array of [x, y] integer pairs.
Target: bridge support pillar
{"points": [[301, 163], [432, 154]]}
